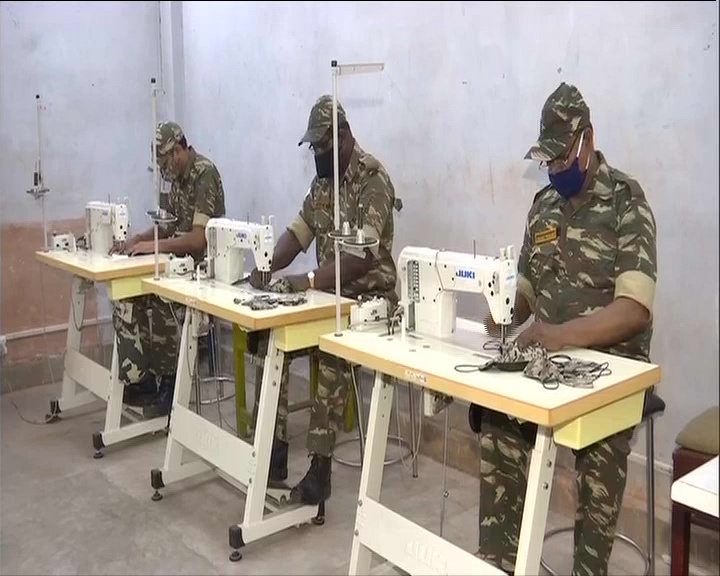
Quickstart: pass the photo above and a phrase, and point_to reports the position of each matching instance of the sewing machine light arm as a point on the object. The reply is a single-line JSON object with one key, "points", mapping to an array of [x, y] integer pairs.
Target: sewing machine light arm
{"points": [[494, 278], [224, 235]]}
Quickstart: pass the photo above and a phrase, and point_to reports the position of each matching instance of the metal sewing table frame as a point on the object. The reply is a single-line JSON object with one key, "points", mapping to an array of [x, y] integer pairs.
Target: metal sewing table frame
{"points": [[243, 464], [566, 416], [84, 380]]}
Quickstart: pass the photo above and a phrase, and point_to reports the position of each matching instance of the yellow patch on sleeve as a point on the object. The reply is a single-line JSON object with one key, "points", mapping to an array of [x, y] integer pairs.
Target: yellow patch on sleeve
{"points": [[545, 236]]}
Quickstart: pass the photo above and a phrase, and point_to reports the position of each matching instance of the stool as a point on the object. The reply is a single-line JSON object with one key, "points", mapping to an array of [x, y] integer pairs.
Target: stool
{"points": [[697, 443], [653, 406], [355, 400]]}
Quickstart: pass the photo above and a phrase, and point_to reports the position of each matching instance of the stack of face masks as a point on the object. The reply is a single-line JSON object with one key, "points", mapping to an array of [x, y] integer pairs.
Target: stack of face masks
{"points": [[551, 371], [270, 301]]}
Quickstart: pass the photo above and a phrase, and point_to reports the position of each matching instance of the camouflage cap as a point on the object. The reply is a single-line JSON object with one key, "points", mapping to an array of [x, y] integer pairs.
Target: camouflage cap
{"points": [[167, 135], [321, 119], [563, 114]]}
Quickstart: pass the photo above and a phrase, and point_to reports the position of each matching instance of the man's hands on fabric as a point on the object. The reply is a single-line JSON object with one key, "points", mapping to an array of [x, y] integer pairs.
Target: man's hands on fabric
{"points": [[295, 282], [298, 282], [142, 247], [551, 336]]}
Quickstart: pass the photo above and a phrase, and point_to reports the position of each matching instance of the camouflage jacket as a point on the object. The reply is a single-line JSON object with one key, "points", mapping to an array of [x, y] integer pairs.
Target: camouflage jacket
{"points": [[365, 182], [196, 196], [573, 263]]}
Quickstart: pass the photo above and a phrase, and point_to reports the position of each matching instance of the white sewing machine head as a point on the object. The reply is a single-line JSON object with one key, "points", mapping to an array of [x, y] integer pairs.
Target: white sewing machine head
{"points": [[430, 278], [105, 224], [227, 241]]}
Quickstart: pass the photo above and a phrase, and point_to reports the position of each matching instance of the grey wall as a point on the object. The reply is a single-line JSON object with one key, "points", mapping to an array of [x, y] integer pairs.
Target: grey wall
{"points": [[456, 109], [92, 66]]}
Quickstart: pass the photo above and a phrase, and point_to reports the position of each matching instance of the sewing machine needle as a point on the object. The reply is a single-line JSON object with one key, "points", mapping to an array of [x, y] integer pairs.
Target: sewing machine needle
{"points": [[502, 334]]}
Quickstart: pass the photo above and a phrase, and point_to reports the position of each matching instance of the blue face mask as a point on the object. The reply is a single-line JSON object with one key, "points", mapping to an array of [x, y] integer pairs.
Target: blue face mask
{"points": [[568, 183]]}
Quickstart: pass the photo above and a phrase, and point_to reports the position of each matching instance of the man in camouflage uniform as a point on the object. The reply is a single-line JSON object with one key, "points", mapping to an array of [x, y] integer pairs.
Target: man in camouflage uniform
{"points": [[587, 271], [147, 327], [365, 190]]}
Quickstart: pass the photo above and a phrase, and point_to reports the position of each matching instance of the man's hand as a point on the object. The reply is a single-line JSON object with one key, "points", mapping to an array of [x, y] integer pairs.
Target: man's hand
{"points": [[298, 282], [550, 336], [142, 247]]}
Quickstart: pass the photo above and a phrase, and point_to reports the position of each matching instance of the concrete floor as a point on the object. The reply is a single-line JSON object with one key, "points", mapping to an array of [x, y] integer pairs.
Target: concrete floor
{"points": [[64, 512]]}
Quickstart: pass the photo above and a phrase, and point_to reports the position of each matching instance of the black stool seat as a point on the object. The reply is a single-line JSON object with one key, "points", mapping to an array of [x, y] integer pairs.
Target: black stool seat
{"points": [[653, 406]]}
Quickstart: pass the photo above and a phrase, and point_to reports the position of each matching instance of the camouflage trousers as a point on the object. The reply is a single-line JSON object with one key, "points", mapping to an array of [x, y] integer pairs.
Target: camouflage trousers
{"points": [[282, 414], [148, 336], [600, 476], [326, 413]]}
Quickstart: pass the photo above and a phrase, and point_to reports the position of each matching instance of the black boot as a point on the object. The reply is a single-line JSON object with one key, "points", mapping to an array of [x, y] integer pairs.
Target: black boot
{"points": [[315, 487], [141, 393], [278, 461], [162, 403]]}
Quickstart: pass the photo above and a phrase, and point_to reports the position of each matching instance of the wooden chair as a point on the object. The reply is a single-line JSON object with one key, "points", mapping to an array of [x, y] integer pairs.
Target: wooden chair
{"points": [[697, 443]]}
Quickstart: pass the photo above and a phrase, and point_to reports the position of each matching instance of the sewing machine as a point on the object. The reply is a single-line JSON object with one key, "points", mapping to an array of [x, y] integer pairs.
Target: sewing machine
{"points": [[430, 278], [105, 223], [227, 241]]}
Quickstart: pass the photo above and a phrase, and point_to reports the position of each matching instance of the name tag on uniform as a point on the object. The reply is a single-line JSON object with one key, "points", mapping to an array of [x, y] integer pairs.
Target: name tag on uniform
{"points": [[547, 235]]}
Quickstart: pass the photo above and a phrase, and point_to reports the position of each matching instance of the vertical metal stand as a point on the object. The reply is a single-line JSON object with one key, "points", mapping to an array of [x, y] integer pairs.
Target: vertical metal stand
{"points": [[38, 190], [339, 70]]}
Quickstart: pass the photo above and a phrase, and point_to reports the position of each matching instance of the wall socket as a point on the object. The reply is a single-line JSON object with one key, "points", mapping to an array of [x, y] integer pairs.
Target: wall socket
{"points": [[3, 346]]}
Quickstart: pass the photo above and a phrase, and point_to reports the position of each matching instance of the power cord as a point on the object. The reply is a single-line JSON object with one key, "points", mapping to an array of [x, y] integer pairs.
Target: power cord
{"points": [[416, 448], [48, 417]]}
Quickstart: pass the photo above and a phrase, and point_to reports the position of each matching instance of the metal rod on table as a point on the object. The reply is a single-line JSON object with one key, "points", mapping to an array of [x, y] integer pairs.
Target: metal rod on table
{"points": [[156, 194], [197, 381], [336, 189], [39, 189], [412, 431], [219, 383], [479, 436], [445, 492], [360, 412]]}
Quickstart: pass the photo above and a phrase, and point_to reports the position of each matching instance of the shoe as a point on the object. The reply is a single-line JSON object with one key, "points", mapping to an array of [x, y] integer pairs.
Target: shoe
{"points": [[475, 418], [141, 393], [278, 461], [315, 487], [162, 403]]}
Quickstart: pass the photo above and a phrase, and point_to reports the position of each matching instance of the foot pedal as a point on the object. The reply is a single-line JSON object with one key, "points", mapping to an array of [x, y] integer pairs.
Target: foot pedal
{"points": [[279, 493]]}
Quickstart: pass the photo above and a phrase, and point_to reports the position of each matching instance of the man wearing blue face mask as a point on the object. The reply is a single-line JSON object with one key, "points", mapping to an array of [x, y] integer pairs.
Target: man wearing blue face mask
{"points": [[586, 272]]}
